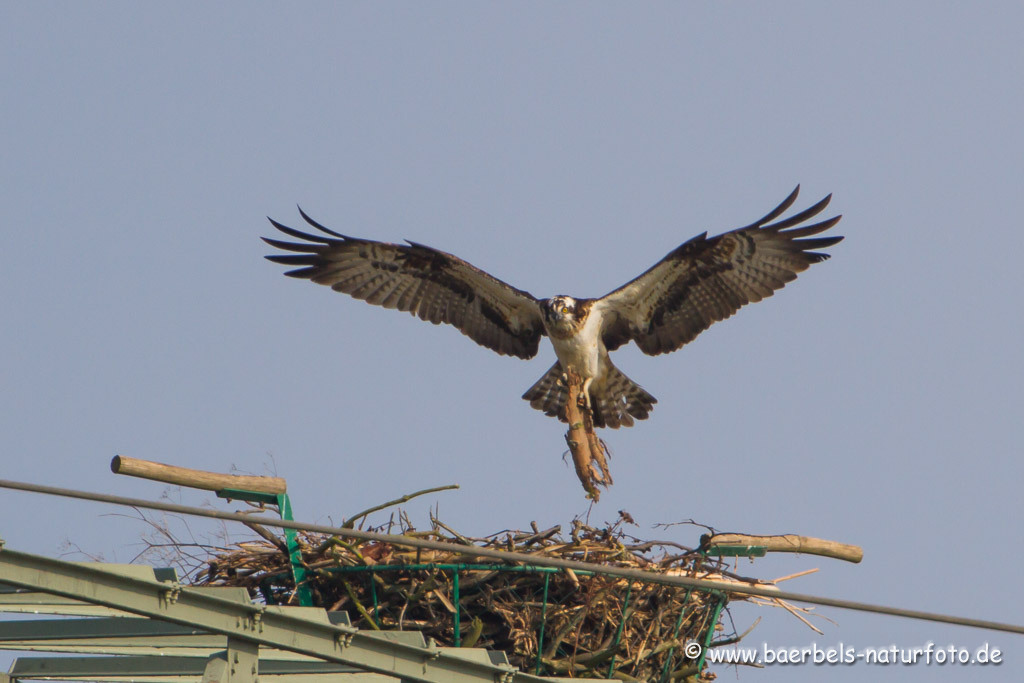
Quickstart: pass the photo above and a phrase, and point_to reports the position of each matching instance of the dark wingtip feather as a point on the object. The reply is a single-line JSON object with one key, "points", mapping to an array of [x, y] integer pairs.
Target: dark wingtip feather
{"points": [[418, 245], [294, 259], [778, 210], [298, 234], [816, 256], [280, 226], [318, 226], [799, 218], [820, 206], [814, 229], [303, 273], [303, 247], [818, 242]]}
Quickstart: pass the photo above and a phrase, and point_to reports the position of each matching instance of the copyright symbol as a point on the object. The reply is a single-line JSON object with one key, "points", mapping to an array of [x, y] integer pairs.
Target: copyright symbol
{"points": [[692, 649]]}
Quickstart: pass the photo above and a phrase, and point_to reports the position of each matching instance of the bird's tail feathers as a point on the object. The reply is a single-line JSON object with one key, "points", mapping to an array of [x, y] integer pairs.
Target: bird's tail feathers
{"points": [[549, 393], [615, 405], [620, 401]]}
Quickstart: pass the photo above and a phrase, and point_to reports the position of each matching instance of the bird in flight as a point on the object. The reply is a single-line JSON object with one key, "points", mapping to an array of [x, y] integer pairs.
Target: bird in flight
{"points": [[702, 281]]}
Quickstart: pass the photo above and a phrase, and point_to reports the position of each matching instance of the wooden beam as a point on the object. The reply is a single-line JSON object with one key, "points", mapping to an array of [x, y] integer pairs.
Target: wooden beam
{"points": [[197, 479], [788, 543]]}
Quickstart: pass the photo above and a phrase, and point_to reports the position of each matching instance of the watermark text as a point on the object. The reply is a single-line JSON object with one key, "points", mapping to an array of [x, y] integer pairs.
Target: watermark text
{"points": [[841, 654]]}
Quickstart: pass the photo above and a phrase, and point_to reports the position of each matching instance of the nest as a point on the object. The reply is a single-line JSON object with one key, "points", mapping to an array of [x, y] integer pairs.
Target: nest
{"points": [[551, 622]]}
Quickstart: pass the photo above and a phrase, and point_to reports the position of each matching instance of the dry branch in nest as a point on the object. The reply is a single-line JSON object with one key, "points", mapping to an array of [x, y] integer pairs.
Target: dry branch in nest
{"points": [[592, 625]]}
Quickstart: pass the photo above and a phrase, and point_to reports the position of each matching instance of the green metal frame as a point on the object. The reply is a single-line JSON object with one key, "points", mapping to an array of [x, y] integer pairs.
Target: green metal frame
{"points": [[622, 625], [133, 668], [711, 630], [284, 508], [543, 622], [457, 636], [738, 551]]}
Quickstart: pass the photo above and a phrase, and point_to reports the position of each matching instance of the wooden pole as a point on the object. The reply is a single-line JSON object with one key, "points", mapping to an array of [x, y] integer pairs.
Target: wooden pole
{"points": [[788, 543], [197, 479]]}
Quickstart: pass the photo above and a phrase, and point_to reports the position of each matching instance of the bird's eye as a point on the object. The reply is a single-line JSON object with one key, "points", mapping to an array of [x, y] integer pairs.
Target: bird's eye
{"points": [[565, 309]]}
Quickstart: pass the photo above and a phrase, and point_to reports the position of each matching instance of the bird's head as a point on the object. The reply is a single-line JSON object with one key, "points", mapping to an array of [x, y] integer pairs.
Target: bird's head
{"points": [[560, 311]]}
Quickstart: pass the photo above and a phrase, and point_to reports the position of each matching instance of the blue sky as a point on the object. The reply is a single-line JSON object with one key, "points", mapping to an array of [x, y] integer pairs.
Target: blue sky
{"points": [[564, 148]]}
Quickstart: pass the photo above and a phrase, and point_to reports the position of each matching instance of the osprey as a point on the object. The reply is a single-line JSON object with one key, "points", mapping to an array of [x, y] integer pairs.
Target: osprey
{"points": [[699, 283]]}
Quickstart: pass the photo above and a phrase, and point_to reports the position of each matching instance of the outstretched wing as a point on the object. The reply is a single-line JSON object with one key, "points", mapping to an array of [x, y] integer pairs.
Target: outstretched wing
{"points": [[706, 280], [425, 282]]}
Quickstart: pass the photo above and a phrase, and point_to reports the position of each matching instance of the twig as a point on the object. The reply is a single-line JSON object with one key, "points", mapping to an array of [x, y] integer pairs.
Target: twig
{"points": [[350, 522], [269, 537], [735, 639], [359, 606], [455, 534], [794, 576], [538, 536], [793, 610]]}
